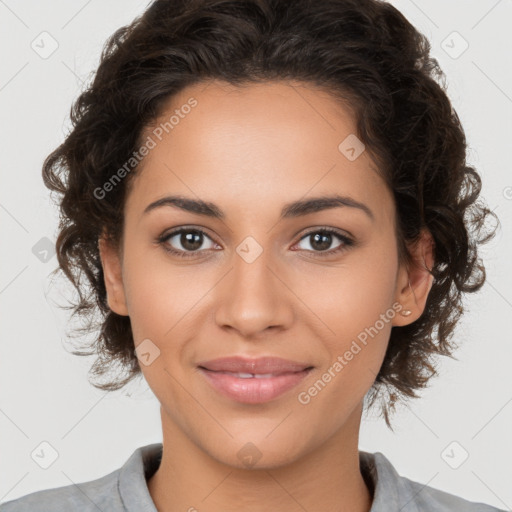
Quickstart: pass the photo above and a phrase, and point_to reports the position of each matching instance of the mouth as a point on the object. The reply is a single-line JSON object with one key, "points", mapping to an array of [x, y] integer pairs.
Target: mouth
{"points": [[253, 381], [252, 375], [254, 366]]}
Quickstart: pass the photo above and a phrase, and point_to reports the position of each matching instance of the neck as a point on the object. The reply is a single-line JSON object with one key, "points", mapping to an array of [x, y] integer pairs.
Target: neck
{"points": [[328, 478]]}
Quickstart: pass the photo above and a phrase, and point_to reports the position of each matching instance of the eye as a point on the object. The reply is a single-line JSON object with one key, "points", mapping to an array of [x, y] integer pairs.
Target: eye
{"points": [[187, 242], [321, 239]]}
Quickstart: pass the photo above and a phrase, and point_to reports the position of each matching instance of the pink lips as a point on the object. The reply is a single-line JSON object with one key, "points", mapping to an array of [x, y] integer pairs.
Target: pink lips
{"points": [[253, 381]]}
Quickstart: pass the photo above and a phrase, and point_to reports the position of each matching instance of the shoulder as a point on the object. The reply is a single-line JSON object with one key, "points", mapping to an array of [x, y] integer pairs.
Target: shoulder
{"points": [[391, 490], [430, 499], [124, 489], [99, 494]]}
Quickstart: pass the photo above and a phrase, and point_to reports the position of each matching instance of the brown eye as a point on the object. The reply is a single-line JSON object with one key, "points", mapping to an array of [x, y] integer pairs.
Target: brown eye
{"points": [[321, 240], [190, 240], [186, 242]]}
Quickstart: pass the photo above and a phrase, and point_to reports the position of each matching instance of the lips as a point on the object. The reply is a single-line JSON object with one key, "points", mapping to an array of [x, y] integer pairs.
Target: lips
{"points": [[261, 366], [251, 375], [253, 381]]}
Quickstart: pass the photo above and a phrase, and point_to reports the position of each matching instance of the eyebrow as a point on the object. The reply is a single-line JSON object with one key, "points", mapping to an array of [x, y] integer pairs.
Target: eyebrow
{"points": [[289, 210]]}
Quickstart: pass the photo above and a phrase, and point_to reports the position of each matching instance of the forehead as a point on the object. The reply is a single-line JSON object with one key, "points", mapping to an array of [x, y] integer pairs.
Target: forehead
{"points": [[254, 147]]}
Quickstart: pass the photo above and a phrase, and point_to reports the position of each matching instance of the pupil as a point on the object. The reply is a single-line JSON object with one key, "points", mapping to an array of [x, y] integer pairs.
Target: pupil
{"points": [[319, 244], [187, 240]]}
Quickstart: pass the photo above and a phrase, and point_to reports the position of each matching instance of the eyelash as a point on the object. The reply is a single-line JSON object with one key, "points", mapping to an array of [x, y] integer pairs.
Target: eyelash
{"points": [[347, 242]]}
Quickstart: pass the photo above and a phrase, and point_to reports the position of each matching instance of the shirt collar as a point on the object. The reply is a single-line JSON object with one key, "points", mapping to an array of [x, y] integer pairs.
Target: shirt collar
{"points": [[390, 490], [132, 484]]}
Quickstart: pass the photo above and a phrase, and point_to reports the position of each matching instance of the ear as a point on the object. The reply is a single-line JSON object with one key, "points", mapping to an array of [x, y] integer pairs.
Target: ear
{"points": [[415, 281], [112, 272]]}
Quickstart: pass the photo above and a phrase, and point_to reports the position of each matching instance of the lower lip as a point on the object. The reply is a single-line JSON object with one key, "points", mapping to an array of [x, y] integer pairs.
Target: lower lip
{"points": [[253, 390]]}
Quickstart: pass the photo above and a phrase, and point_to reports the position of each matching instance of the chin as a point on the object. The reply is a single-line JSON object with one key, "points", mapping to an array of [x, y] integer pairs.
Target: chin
{"points": [[260, 454]]}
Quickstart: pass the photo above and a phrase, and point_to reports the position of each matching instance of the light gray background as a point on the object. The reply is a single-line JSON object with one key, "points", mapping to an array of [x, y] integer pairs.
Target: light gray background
{"points": [[44, 393]]}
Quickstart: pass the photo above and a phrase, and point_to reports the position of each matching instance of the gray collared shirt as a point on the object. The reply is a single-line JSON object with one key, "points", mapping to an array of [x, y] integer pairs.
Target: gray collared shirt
{"points": [[125, 489]]}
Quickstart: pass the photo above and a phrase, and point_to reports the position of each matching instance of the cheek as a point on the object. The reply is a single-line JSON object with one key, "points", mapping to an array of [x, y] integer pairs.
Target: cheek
{"points": [[352, 296], [356, 303], [361, 317], [160, 293]]}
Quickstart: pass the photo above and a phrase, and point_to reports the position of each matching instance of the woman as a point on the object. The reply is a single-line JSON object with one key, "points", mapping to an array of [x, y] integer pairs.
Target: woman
{"points": [[270, 205]]}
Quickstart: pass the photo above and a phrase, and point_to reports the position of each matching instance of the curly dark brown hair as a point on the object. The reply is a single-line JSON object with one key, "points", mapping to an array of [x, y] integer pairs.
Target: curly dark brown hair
{"points": [[363, 52]]}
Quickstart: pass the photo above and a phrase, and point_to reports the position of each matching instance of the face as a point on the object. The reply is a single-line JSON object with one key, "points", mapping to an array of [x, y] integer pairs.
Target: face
{"points": [[318, 285]]}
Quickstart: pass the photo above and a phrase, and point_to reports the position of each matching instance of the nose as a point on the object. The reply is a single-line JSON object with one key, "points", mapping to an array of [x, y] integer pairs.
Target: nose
{"points": [[253, 297]]}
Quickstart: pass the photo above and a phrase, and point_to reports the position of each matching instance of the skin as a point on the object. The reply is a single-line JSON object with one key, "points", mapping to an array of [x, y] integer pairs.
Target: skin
{"points": [[250, 151]]}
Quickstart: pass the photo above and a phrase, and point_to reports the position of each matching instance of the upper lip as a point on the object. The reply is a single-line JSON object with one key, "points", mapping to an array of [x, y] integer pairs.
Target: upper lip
{"points": [[260, 365]]}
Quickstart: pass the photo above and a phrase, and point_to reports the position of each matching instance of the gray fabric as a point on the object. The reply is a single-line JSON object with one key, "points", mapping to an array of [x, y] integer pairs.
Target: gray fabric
{"points": [[125, 489]]}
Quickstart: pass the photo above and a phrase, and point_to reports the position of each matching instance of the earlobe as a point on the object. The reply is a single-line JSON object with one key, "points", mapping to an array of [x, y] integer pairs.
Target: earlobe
{"points": [[112, 272], [416, 280]]}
